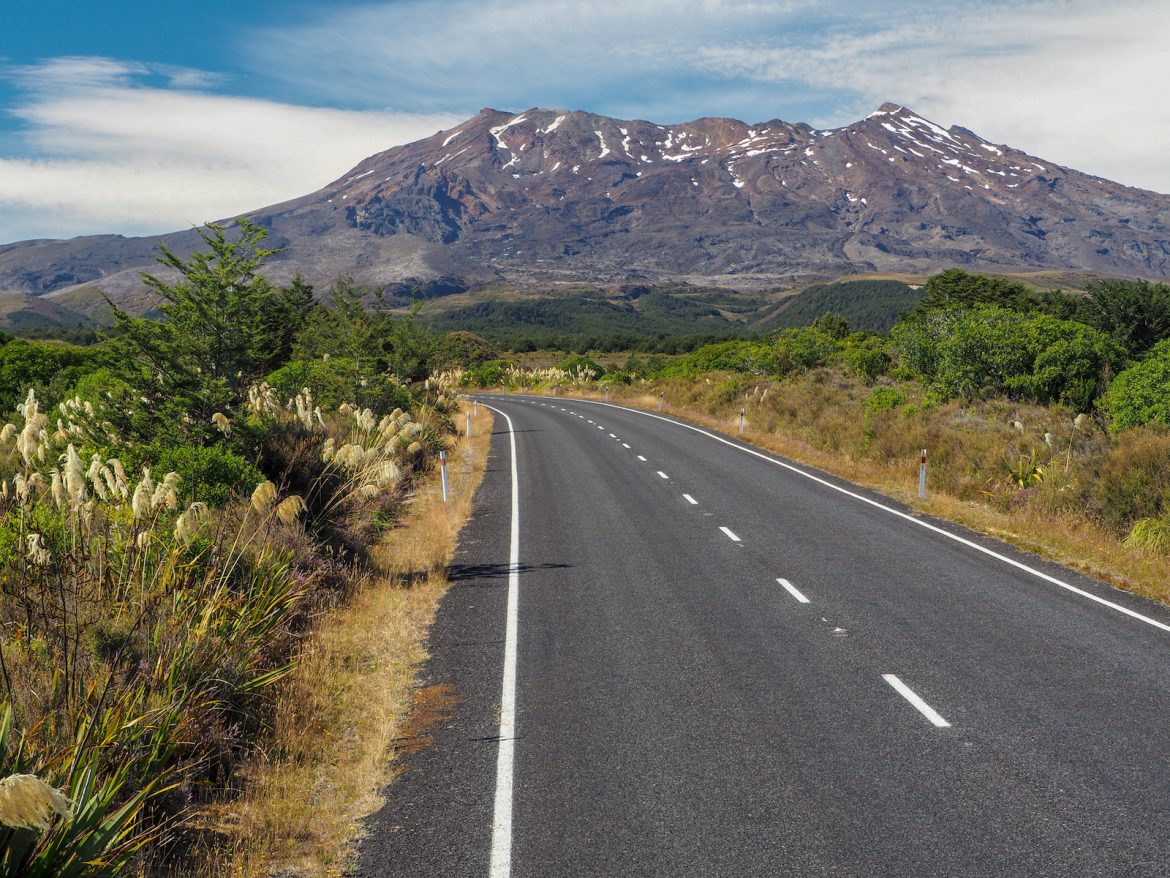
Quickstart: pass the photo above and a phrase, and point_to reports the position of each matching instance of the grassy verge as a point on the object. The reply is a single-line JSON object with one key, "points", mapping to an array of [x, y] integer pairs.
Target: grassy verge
{"points": [[819, 420], [341, 714]]}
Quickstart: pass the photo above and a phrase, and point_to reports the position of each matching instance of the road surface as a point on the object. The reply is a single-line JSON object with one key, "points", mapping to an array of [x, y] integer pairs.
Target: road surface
{"points": [[669, 654]]}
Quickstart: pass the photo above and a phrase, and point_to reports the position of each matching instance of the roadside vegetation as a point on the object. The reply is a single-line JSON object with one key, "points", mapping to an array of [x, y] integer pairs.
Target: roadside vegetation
{"points": [[1046, 415], [188, 510]]}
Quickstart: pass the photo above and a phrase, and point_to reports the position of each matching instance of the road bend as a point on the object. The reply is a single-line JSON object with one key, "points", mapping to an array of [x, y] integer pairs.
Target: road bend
{"points": [[724, 664]]}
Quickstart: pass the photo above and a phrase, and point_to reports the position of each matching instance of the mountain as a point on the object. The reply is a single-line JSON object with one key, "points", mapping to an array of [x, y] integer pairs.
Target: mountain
{"points": [[547, 195]]}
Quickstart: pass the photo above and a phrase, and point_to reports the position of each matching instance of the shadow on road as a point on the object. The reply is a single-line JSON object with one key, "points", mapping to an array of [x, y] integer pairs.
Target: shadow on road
{"points": [[463, 572]]}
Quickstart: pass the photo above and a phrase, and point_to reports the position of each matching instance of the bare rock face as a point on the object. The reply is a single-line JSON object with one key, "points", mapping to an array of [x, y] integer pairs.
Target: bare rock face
{"points": [[549, 194]]}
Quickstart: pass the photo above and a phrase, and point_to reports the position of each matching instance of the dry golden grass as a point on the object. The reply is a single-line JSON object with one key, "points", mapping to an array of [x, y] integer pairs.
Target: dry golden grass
{"points": [[818, 432], [350, 700]]}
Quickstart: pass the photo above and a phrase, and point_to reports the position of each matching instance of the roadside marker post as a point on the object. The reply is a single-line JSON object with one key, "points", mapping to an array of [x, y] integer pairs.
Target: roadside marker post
{"points": [[443, 471], [661, 401], [469, 423], [475, 406], [922, 476], [741, 421], [607, 394]]}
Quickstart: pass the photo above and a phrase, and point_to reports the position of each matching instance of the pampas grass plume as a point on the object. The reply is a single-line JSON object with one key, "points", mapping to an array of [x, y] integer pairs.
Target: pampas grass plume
{"points": [[27, 802], [290, 509], [263, 497]]}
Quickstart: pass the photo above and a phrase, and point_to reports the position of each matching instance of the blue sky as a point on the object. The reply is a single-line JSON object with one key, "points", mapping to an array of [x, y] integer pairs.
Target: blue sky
{"points": [[134, 117]]}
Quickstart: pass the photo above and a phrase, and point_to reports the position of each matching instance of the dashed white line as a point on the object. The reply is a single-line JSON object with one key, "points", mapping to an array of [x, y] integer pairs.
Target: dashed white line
{"points": [[690, 499], [641, 458], [663, 475], [611, 436], [624, 445], [590, 422], [921, 706], [792, 590], [730, 534], [909, 519]]}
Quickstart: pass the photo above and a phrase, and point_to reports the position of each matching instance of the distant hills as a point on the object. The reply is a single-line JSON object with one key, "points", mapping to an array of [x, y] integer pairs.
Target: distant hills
{"points": [[547, 199]]}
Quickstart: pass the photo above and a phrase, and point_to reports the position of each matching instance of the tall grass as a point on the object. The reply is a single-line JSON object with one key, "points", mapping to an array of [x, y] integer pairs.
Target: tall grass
{"points": [[140, 637]]}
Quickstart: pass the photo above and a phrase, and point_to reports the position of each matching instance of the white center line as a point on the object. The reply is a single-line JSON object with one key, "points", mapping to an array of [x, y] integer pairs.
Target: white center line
{"points": [[611, 436], [730, 535], [624, 445], [641, 458], [690, 499], [590, 422], [792, 590], [599, 427], [921, 706], [663, 475]]}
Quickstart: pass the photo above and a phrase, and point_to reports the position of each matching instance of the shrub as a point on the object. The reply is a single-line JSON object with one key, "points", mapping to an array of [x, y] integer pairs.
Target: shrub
{"points": [[339, 380], [752, 358], [212, 474], [884, 399], [1141, 394]]}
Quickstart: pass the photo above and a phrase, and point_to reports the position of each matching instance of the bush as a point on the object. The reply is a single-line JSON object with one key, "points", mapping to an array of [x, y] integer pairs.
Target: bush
{"points": [[339, 380], [1141, 394], [490, 374], [749, 357], [884, 399], [583, 364], [212, 474]]}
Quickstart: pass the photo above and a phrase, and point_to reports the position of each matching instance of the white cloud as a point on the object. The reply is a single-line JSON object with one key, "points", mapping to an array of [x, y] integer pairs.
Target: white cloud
{"points": [[113, 155], [1076, 81]]}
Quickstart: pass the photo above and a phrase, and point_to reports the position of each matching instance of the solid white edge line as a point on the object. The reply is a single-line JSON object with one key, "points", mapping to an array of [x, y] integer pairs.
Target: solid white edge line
{"points": [[1019, 565], [921, 706], [792, 590], [690, 499], [730, 534], [501, 858]]}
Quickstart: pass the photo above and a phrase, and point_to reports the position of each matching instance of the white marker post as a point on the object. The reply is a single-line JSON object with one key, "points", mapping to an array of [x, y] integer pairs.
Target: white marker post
{"points": [[922, 476], [741, 421], [607, 394], [661, 401], [475, 406], [443, 471], [469, 423]]}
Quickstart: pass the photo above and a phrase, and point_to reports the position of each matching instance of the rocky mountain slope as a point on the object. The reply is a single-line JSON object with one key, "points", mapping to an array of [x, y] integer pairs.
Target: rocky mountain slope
{"points": [[545, 195]]}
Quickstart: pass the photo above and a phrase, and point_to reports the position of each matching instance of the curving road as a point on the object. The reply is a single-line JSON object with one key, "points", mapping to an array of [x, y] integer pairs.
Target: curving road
{"points": [[727, 665]]}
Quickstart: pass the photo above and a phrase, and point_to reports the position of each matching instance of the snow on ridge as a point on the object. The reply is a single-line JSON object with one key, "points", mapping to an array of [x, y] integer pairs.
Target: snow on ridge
{"points": [[452, 136], [500, 129], [990, 148], [359, 176], [604, 148], [554, 126]]}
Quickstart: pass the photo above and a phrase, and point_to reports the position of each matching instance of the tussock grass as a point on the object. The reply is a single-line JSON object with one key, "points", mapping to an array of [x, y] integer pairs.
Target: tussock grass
{"points": [[350, 704]]}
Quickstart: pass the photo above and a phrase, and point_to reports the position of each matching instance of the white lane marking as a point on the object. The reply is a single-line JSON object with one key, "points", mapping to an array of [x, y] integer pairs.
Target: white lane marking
{"points": [[611, 436], [574, 413], [599, 427], [624, 445], [690, 499], [501, 859], [921, 706], [663, 475], [641, 458], [590, 422], [1019, 565], [730, 535], [792, 590]]}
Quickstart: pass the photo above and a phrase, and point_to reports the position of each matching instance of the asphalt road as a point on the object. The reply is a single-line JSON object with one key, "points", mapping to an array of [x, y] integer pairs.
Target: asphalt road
{"points": [[724, 667]]}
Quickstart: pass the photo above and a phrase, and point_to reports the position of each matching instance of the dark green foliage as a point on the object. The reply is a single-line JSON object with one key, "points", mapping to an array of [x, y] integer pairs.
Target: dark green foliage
{"points": [[489, 374], [212, 474], [866, 356], [884, 399], [990, 351], [335, 381], [49, 369], [587, 322], [749, 357], [574, 364], [215, 336], [873, 305], [955, 288], [353, 326], [797, 349], [1136, 314], [1141, 394]]}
